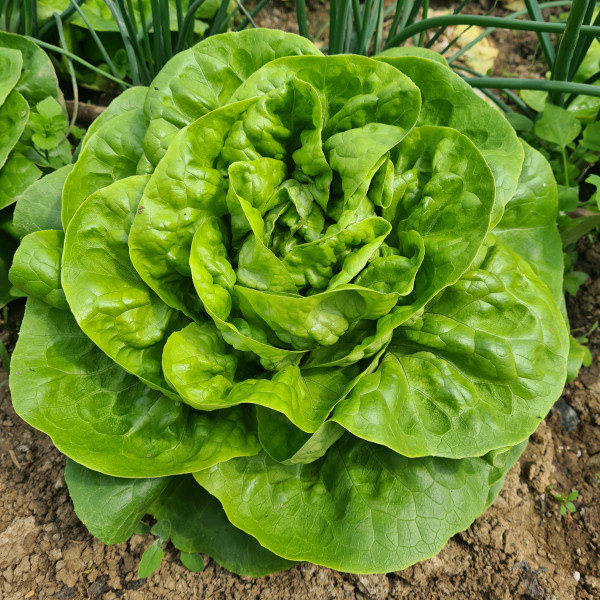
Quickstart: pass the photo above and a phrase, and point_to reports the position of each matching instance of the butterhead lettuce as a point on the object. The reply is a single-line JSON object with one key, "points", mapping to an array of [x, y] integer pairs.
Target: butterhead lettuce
{"points": [[303, 307]]}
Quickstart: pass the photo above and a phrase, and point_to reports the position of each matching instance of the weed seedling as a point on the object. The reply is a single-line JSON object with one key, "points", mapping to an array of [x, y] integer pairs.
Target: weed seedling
{"points": [[565, 502]]}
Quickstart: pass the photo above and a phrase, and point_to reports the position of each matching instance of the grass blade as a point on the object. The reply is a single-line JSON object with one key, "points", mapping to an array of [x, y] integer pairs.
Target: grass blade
{"points": [[333, 19], [378, 44], [363, 37], [188, 24], [395, 21], [535, 14], [253, 13], [349, 34], [179, 9], [368, 27], [301, 17], [220, 18], [424, 16], [345, 29], [484, 21], [159, 57], [96, 39], [63, 43], [166, 30], [64, 16], [490, 30], [357, 16], [590, 80], [543, 85], [3, 14], [243, 9], [75, 58], [127, 43], [584, 42], [516, 99], [441, 30], [567, 47], [146, 40], [28, 9]]}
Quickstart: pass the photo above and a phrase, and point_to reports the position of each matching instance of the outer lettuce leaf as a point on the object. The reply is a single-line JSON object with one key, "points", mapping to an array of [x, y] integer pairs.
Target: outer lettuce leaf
{"points": [[131, 100], [7, 248], [361, 508], [36, 267], [111, 508], [477, 371], [103, 417], [412, 51], [528, 226], [11, 63], [14, 113], [112, 153], [38, 79], [16, 176], [199, 524], [449, 101], [39, 207], [503, 462]]}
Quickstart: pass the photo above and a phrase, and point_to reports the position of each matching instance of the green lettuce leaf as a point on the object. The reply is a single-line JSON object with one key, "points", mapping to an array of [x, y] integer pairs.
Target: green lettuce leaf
{"points": [[38, 79], [105, 418], [361, 508], [107, 296], [39, 206], [112, 507], [449, 101], [11, 63], [110, 154], [14, 113]]}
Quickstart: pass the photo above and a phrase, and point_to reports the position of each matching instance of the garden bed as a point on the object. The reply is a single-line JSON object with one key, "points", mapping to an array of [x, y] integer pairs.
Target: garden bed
{"points": [[522, 547]]}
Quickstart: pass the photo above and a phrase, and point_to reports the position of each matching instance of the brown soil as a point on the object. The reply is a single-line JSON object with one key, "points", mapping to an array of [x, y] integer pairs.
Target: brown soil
{"points": [[516, 48]]}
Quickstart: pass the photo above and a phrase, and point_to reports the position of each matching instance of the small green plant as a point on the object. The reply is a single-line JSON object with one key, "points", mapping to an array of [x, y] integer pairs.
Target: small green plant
{"points": [[33, 134], [572, 148], [565, 502], [153, 555]]}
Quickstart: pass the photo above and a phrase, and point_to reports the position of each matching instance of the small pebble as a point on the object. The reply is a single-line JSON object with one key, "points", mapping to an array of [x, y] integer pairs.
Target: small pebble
{"points": [[568, 417], [576, 575]]}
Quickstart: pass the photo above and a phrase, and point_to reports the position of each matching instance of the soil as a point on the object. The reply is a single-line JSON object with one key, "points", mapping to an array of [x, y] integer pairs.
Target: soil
{"points": [[521, 548]]}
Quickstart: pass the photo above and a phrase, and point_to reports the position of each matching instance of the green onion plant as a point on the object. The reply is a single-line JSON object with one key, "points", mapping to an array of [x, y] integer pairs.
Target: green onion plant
{"points": [[149, 32]]}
